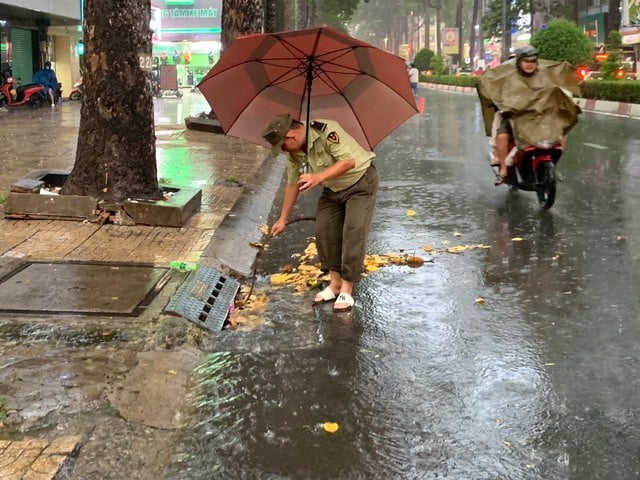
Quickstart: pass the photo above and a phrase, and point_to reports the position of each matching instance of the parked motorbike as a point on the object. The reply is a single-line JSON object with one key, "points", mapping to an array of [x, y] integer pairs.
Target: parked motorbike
{"points": [[77, 91], [14, 95], [533, 170]]}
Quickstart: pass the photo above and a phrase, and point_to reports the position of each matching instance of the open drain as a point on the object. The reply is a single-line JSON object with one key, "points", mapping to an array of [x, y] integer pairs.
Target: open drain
{"points": [[204, 298], [96, 288]]}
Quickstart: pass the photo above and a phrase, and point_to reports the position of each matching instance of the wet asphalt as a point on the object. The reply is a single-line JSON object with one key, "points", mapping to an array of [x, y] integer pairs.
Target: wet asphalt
{"points": [[538, 380]]}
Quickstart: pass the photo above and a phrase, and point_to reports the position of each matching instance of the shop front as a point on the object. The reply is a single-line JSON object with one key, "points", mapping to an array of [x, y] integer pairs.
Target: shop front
{"points": [[187, 35]]}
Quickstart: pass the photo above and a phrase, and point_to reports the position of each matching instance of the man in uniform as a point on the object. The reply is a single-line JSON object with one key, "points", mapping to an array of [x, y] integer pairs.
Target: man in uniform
{"points": [[333, 159]]}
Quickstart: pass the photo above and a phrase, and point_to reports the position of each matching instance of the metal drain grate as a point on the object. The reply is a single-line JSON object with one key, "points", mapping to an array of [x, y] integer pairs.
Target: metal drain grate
{"points": [[204, 298]]}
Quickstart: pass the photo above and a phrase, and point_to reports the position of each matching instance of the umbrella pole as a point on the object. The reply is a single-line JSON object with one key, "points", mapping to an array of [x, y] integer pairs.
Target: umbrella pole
{"points": [[305, 165]]}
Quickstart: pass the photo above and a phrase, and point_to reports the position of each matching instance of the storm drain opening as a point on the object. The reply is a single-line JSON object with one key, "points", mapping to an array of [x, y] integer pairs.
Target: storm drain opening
{"points": [[205, 298], [88, 288]]}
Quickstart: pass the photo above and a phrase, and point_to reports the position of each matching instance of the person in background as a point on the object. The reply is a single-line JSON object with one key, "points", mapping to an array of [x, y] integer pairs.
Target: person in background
{"points": [[414, 78], [47, 78], [345, 209]]}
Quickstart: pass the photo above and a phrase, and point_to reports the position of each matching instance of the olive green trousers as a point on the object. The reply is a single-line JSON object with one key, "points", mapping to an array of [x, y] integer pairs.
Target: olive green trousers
{"points": [[343, 222]]}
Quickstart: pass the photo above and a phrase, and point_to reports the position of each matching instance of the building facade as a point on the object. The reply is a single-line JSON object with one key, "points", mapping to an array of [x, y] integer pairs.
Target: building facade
{"points": [[35, 31]]}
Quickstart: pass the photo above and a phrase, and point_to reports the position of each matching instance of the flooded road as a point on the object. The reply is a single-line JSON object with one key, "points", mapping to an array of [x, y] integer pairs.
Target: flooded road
{"points": [[539, 381]]}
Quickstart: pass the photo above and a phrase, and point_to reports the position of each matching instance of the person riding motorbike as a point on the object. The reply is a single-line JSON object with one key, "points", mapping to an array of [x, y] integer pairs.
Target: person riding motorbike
{"points": [[526, 59]]}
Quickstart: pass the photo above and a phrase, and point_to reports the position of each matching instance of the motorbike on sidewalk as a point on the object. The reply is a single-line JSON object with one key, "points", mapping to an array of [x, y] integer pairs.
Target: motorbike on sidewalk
{"points": [[77, 91], [14, 95], [533, 170]]}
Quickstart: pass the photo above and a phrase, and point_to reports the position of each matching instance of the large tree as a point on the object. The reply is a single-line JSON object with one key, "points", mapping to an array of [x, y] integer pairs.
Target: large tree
{"points": [[241, 17], [116, 153]]}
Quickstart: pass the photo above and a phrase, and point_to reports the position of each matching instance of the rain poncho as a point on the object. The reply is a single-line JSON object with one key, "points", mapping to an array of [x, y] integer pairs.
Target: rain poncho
{"points": [[540, 108], [47, 78]]}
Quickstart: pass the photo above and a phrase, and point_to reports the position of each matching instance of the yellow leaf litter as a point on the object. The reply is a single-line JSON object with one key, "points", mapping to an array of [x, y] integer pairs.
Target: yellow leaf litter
{"points": [[307, 276]]}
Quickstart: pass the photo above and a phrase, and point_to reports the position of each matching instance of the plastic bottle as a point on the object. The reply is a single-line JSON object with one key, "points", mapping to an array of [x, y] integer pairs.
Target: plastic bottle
{"points": [[183, 266]]}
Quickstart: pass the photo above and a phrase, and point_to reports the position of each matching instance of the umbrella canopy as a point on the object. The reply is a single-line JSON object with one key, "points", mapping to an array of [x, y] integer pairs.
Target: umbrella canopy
{"points": [[319, 73], [540, 107]]}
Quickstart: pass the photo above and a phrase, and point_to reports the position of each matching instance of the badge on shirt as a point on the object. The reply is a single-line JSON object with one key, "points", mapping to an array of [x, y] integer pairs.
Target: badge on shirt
{"points": [[318, 125], [333, 137]]}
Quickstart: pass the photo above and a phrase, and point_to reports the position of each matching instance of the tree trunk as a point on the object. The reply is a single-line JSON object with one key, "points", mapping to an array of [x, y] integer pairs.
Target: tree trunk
{"points": [[473, 32], [614, 18], [427, 33], [270, 15], [438, 33], [458, 58], [116, 152], [302, 15], [240, 17]]}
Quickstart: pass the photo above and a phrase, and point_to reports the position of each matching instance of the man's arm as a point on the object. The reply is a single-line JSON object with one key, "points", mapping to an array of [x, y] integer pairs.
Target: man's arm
{"points": [[290, 197], [310, 180]]}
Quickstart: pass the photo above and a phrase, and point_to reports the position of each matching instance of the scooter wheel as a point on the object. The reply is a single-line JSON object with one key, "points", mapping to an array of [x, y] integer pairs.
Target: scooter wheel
{"points": [[75, 96], [546, 186]]}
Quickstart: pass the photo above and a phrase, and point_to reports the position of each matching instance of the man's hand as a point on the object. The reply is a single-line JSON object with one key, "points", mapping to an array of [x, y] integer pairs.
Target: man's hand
{"points": [[307, 181], [278, 227]]}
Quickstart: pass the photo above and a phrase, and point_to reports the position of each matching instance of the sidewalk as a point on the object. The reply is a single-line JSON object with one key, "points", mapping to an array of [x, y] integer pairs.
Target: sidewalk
{"points": [[602, 107], [98, 388]]}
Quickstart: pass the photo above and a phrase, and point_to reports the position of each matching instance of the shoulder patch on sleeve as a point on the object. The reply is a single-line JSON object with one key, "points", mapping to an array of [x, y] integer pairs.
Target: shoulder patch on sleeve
{"points": [[333, 137], [318, 125]]}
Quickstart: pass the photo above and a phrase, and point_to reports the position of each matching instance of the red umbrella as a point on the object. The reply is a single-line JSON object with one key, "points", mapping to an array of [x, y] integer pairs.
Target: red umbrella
{"points": [[320, 73]]}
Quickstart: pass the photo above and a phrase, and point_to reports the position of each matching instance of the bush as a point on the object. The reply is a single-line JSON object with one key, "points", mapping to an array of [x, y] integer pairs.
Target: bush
{"points": [[422, 60], [563, 41], [461, 81], [627, 91], [437, 65]]}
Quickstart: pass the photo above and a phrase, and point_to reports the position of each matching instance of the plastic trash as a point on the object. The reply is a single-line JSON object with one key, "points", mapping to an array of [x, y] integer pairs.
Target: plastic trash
{"points": [[183, 266]]}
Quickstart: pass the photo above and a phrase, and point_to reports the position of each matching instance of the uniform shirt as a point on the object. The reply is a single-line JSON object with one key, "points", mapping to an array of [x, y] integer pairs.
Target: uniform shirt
{"points": [[414, 75], [328, 143]]}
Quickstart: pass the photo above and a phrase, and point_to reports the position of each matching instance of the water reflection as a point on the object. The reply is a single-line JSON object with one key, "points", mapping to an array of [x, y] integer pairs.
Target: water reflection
{"points": [[424, 381]]}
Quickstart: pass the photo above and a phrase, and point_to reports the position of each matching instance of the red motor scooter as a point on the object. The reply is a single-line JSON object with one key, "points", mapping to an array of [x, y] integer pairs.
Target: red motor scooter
{"points": [[533, 170], [14, 95]]}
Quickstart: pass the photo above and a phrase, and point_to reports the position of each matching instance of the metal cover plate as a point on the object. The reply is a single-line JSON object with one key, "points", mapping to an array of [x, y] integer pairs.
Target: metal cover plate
{"points": [[205, 298], [83, 288]]}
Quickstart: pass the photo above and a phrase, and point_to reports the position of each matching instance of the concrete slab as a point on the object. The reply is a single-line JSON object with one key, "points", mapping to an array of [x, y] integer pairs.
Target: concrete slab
{"points": [[169, 213], [173, 212], [112, 289]]}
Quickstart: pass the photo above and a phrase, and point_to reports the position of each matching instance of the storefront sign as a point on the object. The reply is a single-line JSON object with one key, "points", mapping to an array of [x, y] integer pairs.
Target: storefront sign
{"points": [[630, 36], [187, 19]]}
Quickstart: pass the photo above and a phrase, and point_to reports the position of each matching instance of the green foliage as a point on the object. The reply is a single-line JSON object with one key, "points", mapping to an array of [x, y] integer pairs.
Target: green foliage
{"points": [[437, 65], [458, 81], [563, 40], [614, 39], [423, 59], [3, 410], [336, 13], [611, 64], [491, 21], [2, 199], [627, 91]]}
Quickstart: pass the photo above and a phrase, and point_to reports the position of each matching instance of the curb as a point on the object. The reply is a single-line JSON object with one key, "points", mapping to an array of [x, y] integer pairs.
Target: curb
{"points": [[229, 249], [588, 105]]}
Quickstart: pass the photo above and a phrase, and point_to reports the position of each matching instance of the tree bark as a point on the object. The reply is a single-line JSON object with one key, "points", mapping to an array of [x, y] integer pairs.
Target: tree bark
{"points": [[240, 17], [116, 153], [473, 32], [614, 18], [302, 14]]}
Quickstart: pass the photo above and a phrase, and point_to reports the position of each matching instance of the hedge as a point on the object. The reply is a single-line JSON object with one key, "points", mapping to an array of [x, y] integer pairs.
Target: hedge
{"points": [[627, 91]]}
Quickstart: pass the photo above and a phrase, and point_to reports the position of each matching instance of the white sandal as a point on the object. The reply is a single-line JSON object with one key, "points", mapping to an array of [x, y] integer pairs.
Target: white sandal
{"points": [[347, 300], [325, 295]]}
